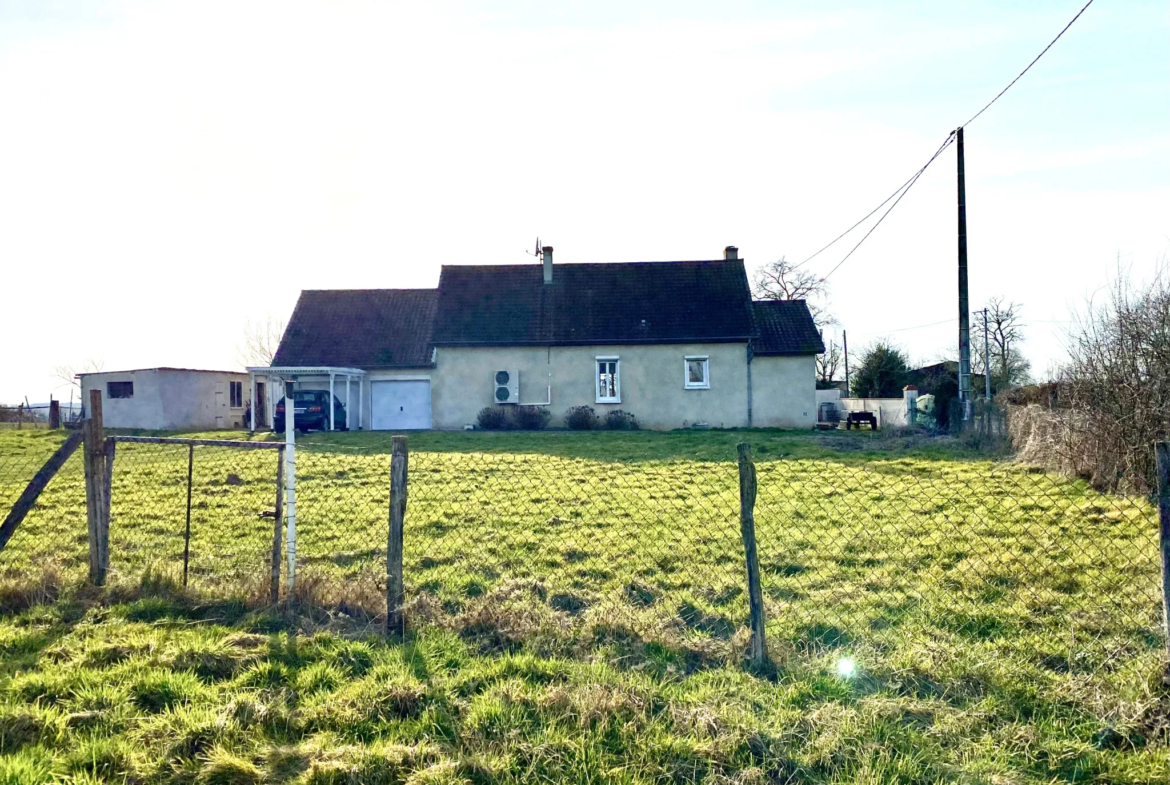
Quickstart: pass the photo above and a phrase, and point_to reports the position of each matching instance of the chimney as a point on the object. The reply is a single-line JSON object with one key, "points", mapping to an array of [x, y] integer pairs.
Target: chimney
{"points": [[730, 252], [547, 252]]}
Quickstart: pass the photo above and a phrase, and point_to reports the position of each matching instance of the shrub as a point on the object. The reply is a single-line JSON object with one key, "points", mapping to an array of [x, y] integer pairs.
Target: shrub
{"points": [[618, 420], [581, 418], [493, 418], [530, 418]]}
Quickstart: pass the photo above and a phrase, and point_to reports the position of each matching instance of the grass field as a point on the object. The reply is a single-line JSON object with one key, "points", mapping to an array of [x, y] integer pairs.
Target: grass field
{"points": [[580, 616]]}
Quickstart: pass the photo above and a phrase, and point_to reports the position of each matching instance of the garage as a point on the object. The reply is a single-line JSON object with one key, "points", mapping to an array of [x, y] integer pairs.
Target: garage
{"points": [[400, 405]]}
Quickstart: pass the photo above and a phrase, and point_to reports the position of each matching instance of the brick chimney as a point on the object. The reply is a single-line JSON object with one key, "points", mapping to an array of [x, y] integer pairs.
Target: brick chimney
{"points": [[730, 252]]}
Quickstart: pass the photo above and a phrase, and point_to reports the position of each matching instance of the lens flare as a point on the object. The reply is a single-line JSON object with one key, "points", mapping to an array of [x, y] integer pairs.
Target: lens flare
{"points": [[846, 668]]}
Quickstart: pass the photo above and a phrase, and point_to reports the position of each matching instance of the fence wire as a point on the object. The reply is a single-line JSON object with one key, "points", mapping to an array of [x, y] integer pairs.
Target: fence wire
{"points": [[851, 550]]}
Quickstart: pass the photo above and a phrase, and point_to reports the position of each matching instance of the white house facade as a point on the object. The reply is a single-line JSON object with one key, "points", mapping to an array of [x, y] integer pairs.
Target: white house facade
{"points": [[676, 344]]}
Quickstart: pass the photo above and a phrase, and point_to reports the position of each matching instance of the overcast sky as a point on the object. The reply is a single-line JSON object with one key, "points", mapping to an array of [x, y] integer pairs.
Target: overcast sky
{"points": [[170, 170]]}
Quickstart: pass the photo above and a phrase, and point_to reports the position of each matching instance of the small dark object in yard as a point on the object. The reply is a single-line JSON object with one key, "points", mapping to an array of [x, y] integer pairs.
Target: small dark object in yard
{"points": [[857, 418], [267, 514], [234, 479], [581, 418], [568, 603]]}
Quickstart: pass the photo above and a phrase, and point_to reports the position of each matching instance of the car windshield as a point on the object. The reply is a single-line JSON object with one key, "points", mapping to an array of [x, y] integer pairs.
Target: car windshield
{"points": [[305, 396]]}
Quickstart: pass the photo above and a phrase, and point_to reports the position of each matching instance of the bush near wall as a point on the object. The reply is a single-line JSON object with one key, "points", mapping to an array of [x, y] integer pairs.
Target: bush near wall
{"points": [[581, 418], [493, 418], [619, 420], [530, 418]]}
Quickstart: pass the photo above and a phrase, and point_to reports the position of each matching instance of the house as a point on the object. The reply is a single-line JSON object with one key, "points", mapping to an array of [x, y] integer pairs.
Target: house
{"points": [[170, 399], [677, 344]]}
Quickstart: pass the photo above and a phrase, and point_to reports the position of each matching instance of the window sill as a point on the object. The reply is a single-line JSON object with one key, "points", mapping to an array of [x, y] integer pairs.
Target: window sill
{"points": [[696, 387], [608, 400]]}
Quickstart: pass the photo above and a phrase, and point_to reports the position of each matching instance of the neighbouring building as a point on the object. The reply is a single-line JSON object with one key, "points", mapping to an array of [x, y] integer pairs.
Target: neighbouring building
{"points": [[170, 399], [676, 344]]}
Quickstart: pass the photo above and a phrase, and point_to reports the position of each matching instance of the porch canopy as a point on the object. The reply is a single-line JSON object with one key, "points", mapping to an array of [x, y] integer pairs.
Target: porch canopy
{"points": [[300, 373]]}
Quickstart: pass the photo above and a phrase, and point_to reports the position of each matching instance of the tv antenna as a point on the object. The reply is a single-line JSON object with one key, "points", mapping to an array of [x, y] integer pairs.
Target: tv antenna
{"points": [[535, 253]]}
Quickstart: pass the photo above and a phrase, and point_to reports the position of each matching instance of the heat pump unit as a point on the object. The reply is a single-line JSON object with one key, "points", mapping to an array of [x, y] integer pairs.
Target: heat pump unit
{"points": [[507, 385]]}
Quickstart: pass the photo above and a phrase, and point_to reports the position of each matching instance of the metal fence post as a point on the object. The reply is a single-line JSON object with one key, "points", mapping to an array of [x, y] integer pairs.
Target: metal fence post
{"points": [[278, 515], [290, 486], [747, 522], [96, 506], [394, 580], [1162, 455], [187, 530]]}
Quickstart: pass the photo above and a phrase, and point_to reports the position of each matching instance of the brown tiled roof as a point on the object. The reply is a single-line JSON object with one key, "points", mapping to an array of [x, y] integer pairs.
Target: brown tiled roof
{"points": [[638, 302], [785, 327], [362, 328]]}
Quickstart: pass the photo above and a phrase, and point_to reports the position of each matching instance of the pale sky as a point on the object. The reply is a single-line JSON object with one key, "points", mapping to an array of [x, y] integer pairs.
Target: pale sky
{"points": [[169, 170]]}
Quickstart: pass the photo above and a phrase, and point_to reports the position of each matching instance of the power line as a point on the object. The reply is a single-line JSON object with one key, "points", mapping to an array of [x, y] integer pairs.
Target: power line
{"points": [[904, 329], [906, 186], [1009, 87], [909, 185]]}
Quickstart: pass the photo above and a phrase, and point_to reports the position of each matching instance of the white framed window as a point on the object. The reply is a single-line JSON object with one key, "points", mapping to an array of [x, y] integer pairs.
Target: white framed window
{"points": [[696, 372], [236, 391], [608, 379]]}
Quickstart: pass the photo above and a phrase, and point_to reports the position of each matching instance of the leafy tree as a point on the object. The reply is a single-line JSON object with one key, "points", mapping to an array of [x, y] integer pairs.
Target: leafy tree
{"points": [[881, 373]]}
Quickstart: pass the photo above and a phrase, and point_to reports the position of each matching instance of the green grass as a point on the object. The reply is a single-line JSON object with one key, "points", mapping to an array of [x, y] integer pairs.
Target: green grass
{"points": [[580, 616]]}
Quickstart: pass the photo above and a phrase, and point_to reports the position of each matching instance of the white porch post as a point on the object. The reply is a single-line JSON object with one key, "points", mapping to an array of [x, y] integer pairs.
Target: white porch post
{"points": [[348, 411], [252, 400], [361, 379], [331, 401]]}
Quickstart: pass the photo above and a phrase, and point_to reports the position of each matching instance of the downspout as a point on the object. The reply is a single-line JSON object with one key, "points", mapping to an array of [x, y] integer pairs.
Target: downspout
{"points": [[750, 354]]}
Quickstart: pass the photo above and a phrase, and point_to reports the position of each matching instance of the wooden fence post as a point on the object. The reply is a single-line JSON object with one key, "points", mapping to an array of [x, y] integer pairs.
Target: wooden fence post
{"points": [[54, 414], [96, 507], [1162, 455], [394, 588], [278, 526], [758, 652]]}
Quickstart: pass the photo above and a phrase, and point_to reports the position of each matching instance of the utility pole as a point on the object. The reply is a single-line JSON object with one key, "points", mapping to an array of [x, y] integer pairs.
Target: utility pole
{"points": [[845, 342], [986, 359], [964, 308]]}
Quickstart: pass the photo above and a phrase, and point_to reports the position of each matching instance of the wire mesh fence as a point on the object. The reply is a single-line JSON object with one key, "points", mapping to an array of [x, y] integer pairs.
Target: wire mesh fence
{"points": [[850, 550]]}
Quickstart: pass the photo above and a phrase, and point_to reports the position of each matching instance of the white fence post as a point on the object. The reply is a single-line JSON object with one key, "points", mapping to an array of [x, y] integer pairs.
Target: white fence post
{"points": [[290, 485]]}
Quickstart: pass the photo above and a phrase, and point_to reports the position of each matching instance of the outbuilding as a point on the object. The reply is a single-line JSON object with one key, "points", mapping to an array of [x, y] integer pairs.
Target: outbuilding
{"points": [[170, 399]]}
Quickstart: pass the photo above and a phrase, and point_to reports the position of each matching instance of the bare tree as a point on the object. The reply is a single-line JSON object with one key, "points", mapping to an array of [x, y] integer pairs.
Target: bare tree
{"points": [[1005, 330], [260, 342], [828, 363], [782, 280], [67, 372], [1116, 385]]}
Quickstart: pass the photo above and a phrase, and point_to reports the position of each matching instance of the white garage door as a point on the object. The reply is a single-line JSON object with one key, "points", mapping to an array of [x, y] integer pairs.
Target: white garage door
{"points": [[401, 405]]}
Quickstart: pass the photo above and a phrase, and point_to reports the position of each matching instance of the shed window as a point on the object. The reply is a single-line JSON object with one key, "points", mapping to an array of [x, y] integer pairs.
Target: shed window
{"points": [[609, 387], [236, 391], [696, 373], [119, 389]]}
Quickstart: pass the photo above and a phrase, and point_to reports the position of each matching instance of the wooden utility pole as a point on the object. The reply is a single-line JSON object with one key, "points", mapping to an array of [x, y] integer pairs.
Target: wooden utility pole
{"points": [[964, 306], [845, 344], [394, 584], [986, 359]]}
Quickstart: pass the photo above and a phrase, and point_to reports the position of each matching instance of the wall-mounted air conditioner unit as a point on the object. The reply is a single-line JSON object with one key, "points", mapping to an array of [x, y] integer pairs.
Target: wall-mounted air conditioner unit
{"points": [[507, 386]]}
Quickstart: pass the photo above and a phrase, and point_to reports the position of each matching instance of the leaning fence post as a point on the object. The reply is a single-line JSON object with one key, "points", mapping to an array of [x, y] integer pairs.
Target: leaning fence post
{"points": [[277, 526], [1162, 455], [747, 524], [394, 590], [96, 508]]}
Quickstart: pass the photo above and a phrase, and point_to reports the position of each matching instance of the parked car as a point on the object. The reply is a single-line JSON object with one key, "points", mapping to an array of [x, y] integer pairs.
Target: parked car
{"points": [[311, 412]]}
